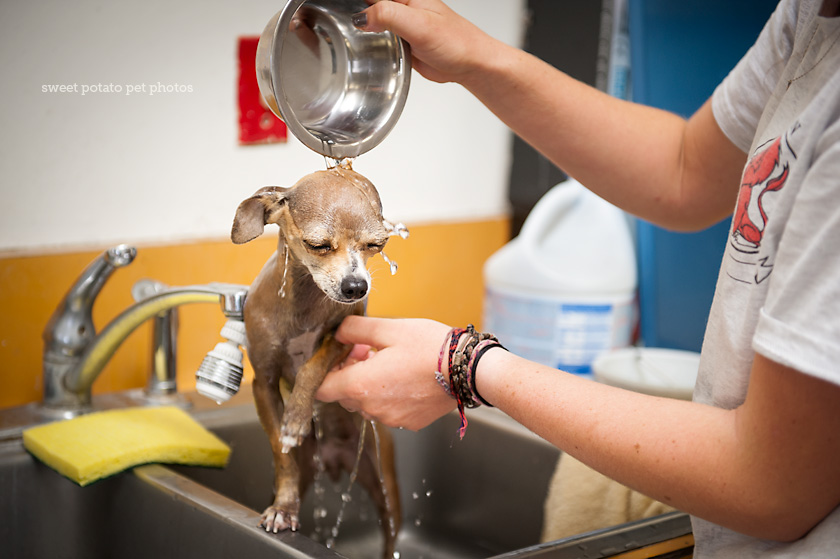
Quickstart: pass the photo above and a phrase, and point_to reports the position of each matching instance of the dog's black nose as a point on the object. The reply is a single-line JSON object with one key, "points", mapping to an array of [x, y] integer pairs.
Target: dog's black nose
{"points": [[353, 288]]}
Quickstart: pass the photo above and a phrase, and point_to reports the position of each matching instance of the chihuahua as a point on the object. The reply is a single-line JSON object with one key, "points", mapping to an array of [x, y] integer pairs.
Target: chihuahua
{"points": [[330, 224]]}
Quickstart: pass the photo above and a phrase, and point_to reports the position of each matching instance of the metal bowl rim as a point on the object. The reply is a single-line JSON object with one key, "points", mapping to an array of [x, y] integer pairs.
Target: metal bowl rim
{"points": [[301, 132]]}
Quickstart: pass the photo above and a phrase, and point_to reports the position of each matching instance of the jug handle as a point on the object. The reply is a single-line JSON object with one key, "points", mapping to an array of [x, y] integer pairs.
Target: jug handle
{"points": [[554, 204]]}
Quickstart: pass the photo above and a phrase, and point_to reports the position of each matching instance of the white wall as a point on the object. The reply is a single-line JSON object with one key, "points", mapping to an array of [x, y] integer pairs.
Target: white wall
{"points": [[80, 170]]}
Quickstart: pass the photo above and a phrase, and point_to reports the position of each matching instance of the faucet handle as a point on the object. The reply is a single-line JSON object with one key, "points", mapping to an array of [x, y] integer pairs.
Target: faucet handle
{"points": [[120, 255], [70, 328]]}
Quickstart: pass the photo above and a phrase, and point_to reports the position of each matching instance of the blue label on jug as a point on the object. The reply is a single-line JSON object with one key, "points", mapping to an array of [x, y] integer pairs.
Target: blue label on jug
{"points": [[564, 335]]}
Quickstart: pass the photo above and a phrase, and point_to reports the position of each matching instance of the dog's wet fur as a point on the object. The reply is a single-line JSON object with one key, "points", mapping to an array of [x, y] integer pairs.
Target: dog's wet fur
{"points": [[330, 224]]}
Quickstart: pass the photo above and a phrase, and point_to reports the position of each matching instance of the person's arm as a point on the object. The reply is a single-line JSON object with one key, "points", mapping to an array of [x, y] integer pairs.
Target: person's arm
{"points": [[766, 469], [679, 174]]}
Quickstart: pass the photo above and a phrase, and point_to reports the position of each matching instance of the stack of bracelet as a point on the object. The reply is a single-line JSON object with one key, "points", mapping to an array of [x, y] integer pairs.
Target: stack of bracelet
{"points": [[463, 348]]}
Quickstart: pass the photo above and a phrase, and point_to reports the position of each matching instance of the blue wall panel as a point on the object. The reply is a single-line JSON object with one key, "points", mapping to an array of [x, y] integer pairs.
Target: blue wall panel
{"points": [[680, 51]]}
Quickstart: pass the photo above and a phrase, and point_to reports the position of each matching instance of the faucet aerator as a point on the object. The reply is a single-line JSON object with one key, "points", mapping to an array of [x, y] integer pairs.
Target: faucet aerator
{"points": [[220, 373]]}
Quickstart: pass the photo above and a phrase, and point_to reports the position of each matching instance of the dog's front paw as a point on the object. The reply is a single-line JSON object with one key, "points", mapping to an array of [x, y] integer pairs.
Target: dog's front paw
{"points": [[295, 428], [278, 518]]}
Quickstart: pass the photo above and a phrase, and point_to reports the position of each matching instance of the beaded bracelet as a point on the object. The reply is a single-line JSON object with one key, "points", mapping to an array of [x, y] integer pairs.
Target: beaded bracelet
{"points": [[463, 348], [477, 353]]}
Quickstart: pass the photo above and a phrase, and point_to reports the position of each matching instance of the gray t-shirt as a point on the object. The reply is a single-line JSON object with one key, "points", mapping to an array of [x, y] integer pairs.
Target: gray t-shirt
{"points": [[778, 292]]}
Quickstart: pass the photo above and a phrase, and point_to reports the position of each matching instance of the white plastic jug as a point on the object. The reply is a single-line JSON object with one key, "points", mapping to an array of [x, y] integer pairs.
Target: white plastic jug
{"points": [[564, 290]]}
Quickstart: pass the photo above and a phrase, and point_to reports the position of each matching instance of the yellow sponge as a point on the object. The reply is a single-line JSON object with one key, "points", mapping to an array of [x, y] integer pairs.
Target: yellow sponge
{"points": [[98, 445]]}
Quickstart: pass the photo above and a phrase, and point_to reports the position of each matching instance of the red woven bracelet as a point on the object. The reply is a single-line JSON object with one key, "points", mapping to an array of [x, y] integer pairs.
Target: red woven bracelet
{"points": [[463, 349]]}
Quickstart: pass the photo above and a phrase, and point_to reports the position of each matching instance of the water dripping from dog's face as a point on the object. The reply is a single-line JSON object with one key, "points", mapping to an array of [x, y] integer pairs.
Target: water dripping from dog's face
{"points": [[391, 264], [394, 230]]}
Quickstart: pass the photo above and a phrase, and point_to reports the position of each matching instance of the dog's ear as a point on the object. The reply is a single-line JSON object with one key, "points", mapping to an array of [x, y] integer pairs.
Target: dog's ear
{"points": [[253, 213]]}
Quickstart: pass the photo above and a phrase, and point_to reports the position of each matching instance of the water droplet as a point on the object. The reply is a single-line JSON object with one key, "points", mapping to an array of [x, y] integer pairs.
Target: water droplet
{"points": [[346, 497], [396, 555], [396, 229], [392, 528], [415, 496], [417, 522], [429, 493], [320, 512], [345, 163], [391, 264]]}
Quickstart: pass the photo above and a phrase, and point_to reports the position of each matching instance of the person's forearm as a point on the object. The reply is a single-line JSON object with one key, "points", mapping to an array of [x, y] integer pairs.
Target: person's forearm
{"points": [[679, 174], [638, 157], [687, 455], [767, 468]]}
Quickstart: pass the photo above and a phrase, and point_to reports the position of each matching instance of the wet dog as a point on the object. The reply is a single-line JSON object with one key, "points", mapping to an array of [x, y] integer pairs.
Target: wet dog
{"points": [[330, 224]]}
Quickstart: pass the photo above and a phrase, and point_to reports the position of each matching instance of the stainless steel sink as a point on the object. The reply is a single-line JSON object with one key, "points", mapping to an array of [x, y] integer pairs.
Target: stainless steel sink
{"points": [[473, 498], [148, 512]]}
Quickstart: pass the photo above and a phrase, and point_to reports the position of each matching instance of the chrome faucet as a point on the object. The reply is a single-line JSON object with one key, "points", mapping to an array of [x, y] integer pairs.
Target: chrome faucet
{"points": [[74, 354]]}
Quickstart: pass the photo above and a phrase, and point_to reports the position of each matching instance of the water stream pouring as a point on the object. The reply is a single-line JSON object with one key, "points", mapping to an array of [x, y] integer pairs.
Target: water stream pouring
{"points": [[345, 495]]}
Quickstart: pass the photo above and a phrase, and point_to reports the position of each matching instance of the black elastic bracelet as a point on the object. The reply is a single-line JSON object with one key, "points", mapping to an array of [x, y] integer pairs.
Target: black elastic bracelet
{"points": [[475, 360]]}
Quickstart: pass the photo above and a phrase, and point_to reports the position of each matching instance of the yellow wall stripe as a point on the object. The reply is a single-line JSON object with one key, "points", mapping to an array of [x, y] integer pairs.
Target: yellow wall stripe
{"points": [[439, 277]]}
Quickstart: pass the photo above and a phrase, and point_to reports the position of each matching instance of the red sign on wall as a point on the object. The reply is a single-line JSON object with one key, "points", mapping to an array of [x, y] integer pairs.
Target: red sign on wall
{"points": [[257, 124]]}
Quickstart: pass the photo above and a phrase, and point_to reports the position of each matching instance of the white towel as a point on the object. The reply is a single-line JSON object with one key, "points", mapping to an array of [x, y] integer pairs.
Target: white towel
{"points": [[581, 500]]}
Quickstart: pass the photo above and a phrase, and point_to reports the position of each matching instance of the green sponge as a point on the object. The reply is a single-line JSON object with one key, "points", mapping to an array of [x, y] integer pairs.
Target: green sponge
{"points": [[98, 445]]}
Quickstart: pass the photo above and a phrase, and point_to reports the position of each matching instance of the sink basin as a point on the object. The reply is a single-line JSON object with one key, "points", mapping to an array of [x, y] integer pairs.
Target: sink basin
{"points": [[148, 512], [474, 498], [471, 498]]}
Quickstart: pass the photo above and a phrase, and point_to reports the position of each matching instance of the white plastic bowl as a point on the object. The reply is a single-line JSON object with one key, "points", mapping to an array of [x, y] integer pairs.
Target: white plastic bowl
{"points": [[660, 372]]}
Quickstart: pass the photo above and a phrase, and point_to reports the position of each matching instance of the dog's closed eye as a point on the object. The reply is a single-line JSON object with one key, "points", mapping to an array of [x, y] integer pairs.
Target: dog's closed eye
{"points": [[319, 247]]}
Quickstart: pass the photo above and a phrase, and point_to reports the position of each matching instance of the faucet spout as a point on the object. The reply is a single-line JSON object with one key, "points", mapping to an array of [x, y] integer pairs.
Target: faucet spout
{"points": [[80, 379], [74, 355]]}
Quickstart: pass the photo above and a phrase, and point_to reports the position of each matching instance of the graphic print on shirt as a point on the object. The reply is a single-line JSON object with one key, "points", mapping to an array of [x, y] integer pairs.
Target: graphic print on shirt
{"points": [[764, 176]]}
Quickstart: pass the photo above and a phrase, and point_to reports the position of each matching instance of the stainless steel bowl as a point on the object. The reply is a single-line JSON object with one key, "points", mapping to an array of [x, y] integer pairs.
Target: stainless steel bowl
{"points": [[339, 90]]}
